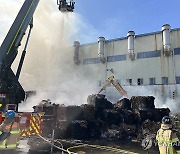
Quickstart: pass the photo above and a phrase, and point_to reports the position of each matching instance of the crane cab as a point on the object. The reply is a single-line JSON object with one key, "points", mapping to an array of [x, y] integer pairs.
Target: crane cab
{"points": [[66, 6]]}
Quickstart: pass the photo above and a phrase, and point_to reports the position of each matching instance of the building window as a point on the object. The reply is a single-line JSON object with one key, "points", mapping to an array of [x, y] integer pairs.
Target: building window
{"points": [[148, 54], [164, 80], [140, 81], [129, 81], [91, 61], [177, 51], [152, 81], [116, 58], [177, 79]]}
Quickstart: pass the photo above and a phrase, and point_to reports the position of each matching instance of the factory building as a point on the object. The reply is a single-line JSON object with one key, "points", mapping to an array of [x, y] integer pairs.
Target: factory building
{"points": [[149, 62]]}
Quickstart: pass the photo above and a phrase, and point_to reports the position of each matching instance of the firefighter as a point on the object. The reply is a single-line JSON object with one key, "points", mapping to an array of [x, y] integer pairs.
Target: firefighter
{"points": [[9, 143], [166, 137]]}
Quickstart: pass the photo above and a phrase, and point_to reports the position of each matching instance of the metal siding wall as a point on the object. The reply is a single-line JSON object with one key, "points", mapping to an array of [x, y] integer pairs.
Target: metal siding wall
{"points": [[120, 47], [145, 43], [177, 65], [158, 42], [178, 38], [145, 68], [175, 39], [130, 73], [149, 66], [85, 50], [94, 51], [109, 46]]}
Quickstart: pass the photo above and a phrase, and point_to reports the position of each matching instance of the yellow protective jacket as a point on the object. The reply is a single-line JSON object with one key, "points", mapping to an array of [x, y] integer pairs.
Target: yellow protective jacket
{"points": [[167, 139], [13, 140]]}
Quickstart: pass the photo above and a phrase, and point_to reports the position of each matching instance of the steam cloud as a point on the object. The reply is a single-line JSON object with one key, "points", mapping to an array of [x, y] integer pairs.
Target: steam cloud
{"points": [[48, 66], [162, 100]]}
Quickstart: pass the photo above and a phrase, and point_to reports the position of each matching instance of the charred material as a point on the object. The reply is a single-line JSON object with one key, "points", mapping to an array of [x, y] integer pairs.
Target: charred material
{"points": [[155, 115], [99, 101], [100, 119], [79, 129], [112, 117], [142, 102], [88, 112], [123, 104]]}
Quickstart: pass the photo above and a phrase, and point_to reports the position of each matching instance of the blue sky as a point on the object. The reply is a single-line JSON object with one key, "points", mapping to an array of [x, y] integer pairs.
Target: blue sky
{"points": [[114, 18], [111, 19]]}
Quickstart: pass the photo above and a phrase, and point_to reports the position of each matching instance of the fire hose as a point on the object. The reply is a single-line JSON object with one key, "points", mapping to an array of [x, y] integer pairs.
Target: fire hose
{"points": [[48, 141], [106, 148], [82, 145]]}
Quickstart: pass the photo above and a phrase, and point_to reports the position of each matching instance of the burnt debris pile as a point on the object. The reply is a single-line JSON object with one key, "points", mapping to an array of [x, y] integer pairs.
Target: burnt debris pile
{"points": [[99, 118], [142, 102]]}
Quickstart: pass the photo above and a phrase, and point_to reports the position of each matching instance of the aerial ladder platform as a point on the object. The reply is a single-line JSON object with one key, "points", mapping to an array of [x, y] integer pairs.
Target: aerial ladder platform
{"points": [[11, 91]]}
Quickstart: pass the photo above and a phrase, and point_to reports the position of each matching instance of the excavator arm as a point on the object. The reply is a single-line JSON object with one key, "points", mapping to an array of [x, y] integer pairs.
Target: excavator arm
{"points": [[108, 82], [112, 81]]}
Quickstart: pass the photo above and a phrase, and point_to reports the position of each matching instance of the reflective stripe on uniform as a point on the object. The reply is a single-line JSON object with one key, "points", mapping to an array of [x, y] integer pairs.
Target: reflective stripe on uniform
{"points": [[8, 146], [175, 139], [167, 141], [13, 126], [168, 144], [15, 132], [3, 144], [11, 146]]}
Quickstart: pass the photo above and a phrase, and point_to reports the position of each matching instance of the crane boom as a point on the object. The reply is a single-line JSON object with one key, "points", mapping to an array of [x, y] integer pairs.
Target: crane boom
{"points": [[10, 89]]}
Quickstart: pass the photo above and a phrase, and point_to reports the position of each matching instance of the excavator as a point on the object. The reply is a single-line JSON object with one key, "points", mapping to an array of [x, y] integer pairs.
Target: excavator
{"points": [[111, 80]]}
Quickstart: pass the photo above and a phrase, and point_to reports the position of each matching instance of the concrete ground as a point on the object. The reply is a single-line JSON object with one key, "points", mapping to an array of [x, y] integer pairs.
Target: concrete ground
{"points": [[121, 149]]}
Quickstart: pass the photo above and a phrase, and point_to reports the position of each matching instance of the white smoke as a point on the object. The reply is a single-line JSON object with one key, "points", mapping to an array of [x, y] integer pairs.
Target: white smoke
{"points": [[163, 99], [9, 10], [48, 67]]}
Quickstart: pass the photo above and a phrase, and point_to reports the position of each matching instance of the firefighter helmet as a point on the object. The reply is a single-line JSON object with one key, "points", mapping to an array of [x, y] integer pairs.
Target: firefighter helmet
{"points": [[10, 114], [166, 120]]}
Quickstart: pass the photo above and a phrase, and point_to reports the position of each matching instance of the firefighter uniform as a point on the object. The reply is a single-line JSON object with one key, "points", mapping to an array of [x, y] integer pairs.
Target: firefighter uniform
{"points": [[166, 138], [8, 145]]}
